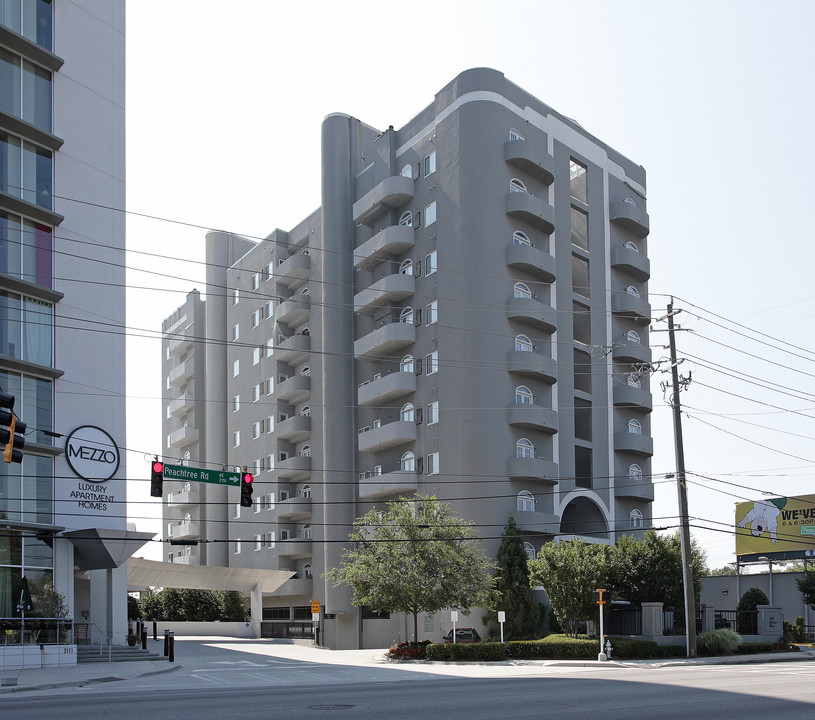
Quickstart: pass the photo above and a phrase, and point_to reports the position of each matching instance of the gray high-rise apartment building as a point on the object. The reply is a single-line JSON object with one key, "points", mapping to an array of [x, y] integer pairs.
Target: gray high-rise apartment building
{"points": [[466, 315]]}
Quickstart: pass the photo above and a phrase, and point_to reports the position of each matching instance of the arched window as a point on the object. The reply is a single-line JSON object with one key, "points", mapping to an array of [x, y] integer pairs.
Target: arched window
{"points": [[407, 364], [520, 238], [524, 449], [631, 290], [516, 185], [526, 501], [523, 395], [406, 413], [521, 290], [630, 201], [633, 380], [515, 134], [634, 427], [530, 550], [306, 532], [406, 219], [523, 343], [306, 411], [187, 487], [635, 516], [187, 517], [631, 245], [408, 462], [306, 371], [407, 171], [306, 491], [406, 316], [306, 451], [633, 337], [304, 292], [406, 268], [304, 331], [307, 571], [635, 472]]}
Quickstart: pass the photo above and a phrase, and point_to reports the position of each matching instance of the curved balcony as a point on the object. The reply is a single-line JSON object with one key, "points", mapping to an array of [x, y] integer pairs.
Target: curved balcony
{"points": [[393, 483], [180, 405], [387, 436], [634, 489], [390, 242], [535, 470], [630, 306], [294, 350], [632, 262], [297, 466], [293, 312], [630, 217], [533, 365], [627, 396], [297, 549], [296, 508], [184, 529], [531, 210], [532, 312], [632, 354], [642, 445], [294, 390], [184, 497], [534, 417], [531, 521], [387, 388], [385, 291], [391, 193], [531, 157], [385, 340], [181, 373], [530, 260], [295, 429], [182, 437], [295, 586], [293, 270], [178, 345]]}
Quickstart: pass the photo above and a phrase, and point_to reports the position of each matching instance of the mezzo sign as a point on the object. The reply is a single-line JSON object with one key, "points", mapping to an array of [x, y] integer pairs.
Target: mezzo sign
{"points": [[92, 454]]}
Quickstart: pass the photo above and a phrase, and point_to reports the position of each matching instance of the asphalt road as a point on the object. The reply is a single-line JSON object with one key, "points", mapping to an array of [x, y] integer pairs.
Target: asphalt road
{"points": [[774, 691]]}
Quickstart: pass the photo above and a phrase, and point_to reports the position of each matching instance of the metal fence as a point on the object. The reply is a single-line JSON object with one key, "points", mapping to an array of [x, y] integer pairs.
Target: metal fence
{"points": [[286, 629], [744, 622], [43, 631], [624, 621]]}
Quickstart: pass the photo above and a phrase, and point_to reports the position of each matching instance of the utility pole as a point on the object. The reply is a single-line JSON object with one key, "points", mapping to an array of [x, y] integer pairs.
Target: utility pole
{"points": [[682, 489]]}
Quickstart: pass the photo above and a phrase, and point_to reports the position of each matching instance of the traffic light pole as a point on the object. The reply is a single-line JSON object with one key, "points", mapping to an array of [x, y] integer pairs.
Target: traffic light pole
{"points": [[681, 486]]}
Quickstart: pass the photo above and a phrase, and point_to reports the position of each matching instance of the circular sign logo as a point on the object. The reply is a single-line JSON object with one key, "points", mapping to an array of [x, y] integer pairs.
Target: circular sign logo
{"points": [[92, 454]]}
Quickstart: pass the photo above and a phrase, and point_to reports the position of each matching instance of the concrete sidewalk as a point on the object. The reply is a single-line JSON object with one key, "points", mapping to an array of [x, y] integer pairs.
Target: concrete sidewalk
{"points": [[192, 653]]}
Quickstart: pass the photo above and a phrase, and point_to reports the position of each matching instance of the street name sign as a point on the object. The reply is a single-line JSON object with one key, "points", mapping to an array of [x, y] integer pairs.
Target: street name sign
{"points": [[191, 474]]}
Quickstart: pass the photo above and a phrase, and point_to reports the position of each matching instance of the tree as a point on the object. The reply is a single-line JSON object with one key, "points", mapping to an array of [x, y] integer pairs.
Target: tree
{"points": [[192, 605], [725, 570], [414, 557], [569, 572], [806, 586], [133, 610], [233, 607], [47, 602], [751, 599], [514, 593]]}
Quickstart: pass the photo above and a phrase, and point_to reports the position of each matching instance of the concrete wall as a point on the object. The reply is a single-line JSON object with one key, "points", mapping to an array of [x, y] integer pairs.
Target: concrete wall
{"points": [[723, 593], [188, 629]]}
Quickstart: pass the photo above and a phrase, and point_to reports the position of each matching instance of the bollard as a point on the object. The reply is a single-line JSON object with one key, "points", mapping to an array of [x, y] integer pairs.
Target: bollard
{"points": [[166, 642], [155, 630], [144, 638], [172, 647]]}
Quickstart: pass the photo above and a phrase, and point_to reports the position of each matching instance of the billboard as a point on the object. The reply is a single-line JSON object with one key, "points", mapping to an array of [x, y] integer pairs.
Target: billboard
{"points": [[778, 525]]}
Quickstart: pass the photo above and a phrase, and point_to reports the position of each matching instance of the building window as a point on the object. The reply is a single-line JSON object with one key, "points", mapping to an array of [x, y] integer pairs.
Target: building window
{"points": [[432, 313], [255, 393], [236, 367], [257, 430], [408, 462], [522, 291], [307, 571], [407, 414], [577, 181], [433, 464], [255, 318], [520, 238], [526, 501], [406, 268], [27, 329], [269, 463], [407, 171], [636, 519], [430, 263], [406, 219], [523, 395], [236, 332], [269, 386], [631, 245], [236, 438], [406, 316], [581, 324], [580, 276], [256, 353], [26, 249], [237, 547], [255, 281], [635, 472], [529, 548], [580, 229], [407, 364], [523, 343], [236, 296], [269, 308], [27, 89], [515, 134], [635, 427], [236, 403], [258, 542], [583, 467], [582, 419], [305, 452], [306, 411], [524, 448], [269, 347], [517, 186], [633, 380], [633, 337], [430, 164], [305, 372], [433, 413], [306, 532], [32, 20], [631, 290], [432, 362], [430, 214], [582, 371]]}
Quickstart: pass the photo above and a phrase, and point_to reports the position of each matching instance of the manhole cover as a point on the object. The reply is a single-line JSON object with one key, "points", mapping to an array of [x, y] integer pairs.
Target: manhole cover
{"points": [[329, 707]]}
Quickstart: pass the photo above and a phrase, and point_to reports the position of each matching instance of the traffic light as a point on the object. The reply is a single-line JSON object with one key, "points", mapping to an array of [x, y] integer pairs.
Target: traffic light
{"points": [[156, 478], [246, 488], [12, 430]]}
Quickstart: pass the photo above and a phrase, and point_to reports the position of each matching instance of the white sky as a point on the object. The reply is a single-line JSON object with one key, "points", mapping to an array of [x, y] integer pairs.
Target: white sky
{"points": [[714, 99]]}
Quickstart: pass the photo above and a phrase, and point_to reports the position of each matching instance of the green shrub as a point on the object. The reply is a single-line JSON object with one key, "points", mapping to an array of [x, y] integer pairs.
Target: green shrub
{"points": [[671, 651], [798, 630], [627, 649], [485, 651], [753, 648], [723, 641], [751, 598]]}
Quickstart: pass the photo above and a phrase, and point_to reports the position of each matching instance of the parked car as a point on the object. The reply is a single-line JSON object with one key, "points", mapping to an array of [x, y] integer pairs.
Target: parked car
{"points": [[463, 635]]}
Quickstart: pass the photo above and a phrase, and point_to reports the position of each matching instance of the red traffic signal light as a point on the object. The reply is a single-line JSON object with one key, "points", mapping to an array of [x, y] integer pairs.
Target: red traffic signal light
{"points": [[157, 479], [246, 488]]}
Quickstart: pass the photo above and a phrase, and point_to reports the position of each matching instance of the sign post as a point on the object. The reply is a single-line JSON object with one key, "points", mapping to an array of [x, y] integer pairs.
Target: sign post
{"points": [[502, 616], [315, 619], [454, 620], [601, 598]]}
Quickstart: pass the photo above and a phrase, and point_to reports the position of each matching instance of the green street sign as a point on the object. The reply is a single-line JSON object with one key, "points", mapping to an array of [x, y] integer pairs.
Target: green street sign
{"points": [[191, 474]]}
